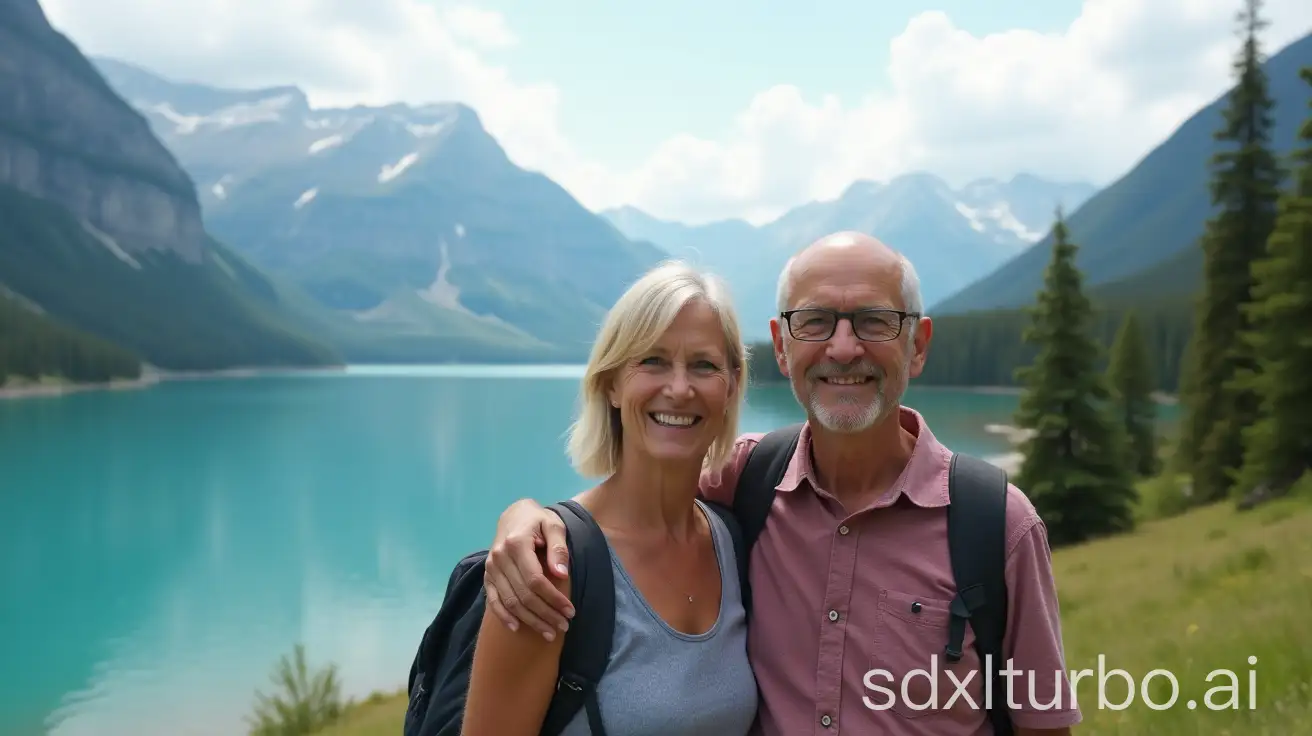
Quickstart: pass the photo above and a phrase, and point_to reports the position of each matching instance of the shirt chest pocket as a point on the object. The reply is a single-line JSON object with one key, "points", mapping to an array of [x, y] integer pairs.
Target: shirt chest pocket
{"points": [[909, 671]]}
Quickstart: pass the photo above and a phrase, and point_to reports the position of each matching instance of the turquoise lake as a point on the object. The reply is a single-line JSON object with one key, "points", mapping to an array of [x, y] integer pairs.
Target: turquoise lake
{"points": [[161, 549]]}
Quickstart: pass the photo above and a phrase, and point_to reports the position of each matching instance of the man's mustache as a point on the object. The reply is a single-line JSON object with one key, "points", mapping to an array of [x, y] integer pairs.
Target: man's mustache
{"points": [[829, 370]]}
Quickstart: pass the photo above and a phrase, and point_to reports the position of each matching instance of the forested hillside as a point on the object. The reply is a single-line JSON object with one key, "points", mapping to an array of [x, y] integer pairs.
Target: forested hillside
{"points": [[34, 347], [177, 315], [985, 348]]}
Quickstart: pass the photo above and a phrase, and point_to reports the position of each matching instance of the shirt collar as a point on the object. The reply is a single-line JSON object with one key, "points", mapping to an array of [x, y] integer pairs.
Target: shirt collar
{"points": [[924, 480]]}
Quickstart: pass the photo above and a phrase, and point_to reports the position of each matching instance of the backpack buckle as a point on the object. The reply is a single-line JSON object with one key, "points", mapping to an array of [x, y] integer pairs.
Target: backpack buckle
{"points": [[957, 627]]}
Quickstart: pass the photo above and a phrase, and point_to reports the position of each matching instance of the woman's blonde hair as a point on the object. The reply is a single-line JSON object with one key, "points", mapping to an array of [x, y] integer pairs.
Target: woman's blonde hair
{"points": [[641, 315]]}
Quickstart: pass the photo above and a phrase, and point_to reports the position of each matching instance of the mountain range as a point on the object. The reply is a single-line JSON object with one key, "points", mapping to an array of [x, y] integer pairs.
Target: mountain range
{"points": [[1140, 234], [364, 207], [201, 227], [952, 236], [103, 231], [323, 237], [986, 246], [409, 220]]}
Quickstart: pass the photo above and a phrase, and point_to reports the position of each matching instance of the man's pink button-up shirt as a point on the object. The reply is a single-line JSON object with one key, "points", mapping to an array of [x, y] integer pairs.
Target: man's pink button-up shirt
{"points": [[837, 594]]}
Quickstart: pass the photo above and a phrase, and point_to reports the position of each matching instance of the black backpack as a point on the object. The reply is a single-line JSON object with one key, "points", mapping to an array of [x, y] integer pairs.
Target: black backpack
{"points": [[977, 534], [439, 675]]}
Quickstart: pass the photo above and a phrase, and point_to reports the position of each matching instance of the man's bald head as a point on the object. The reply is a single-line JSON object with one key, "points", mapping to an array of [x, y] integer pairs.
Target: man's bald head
{"points": [[855, 252]]}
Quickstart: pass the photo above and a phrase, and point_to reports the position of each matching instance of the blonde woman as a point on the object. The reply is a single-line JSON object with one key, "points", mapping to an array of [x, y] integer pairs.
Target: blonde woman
{"points": [[660, 403]]}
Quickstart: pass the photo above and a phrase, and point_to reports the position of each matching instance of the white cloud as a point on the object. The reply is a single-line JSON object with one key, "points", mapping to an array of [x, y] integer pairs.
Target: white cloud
{"points": [[485, 27], [1085, 103]]}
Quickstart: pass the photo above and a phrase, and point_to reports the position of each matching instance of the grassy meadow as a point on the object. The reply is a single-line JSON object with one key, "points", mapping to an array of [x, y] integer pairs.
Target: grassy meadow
{"points": [[1188, 593]]}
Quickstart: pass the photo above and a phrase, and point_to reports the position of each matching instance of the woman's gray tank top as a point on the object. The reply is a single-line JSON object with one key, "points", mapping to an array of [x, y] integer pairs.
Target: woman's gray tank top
{"points": [[662, 682]]}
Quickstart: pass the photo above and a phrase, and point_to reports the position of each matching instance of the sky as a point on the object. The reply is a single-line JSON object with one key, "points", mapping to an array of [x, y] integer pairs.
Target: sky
{"points": [[700, 110]]}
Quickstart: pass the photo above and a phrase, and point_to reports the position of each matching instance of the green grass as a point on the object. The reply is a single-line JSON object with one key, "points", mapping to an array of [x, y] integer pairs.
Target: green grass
{"points": [[381, 714], [1202, 590]]}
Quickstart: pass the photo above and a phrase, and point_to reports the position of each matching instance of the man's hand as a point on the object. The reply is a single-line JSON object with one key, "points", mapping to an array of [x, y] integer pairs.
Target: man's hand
{"points": [[517, 588]]}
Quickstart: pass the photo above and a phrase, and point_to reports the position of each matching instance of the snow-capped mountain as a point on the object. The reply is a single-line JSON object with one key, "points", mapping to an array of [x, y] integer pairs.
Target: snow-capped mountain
{"points": [[356, 202], [952, 236], [408, 217]]}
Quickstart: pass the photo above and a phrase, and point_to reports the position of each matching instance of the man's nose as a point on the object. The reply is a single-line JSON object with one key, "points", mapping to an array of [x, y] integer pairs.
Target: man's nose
{"points": [[844, 346]]}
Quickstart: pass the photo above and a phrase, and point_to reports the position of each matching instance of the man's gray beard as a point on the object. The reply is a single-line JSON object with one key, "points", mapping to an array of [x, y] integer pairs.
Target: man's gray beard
{"points": [[849, 423]]}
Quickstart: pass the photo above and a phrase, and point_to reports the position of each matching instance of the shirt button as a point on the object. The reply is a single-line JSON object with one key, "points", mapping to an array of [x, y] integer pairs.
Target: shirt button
{"points": [[843, 530], [833, 615], [826, 720]]}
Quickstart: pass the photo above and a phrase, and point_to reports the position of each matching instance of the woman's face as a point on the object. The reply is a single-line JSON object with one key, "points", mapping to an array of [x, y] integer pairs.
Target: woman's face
{"points": [[674, 397]]}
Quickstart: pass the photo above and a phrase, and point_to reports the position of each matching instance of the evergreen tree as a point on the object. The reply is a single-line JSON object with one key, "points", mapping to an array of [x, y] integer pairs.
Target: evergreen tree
{"points": [[1278, 446], [1132, 379], [1245, 188], [1075, 470], [1191, 426]]}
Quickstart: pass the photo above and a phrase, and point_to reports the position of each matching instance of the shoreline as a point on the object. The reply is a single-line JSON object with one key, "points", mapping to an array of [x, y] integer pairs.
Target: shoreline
{"points": [[39, 390], [1011, 460], [150, 376]]}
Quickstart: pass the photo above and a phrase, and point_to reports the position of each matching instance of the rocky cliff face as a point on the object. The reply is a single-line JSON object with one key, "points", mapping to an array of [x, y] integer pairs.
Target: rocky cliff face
{"points": [[408, 220], [65, 136]]}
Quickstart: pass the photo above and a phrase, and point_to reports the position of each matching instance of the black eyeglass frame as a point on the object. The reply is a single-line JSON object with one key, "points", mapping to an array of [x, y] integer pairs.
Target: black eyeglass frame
{"points": [[902, 316]]}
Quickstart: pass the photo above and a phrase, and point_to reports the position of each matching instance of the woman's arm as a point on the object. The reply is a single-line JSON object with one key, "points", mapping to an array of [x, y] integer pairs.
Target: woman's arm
{"points": [[513, 678]]}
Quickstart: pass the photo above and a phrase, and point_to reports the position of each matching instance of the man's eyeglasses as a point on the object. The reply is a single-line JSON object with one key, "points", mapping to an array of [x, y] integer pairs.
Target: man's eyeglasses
{"points": [[871, 325]]}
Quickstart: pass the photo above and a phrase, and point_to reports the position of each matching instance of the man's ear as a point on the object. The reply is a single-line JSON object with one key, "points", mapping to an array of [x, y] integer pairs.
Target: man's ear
{"points": [[777, 341], [920, 346]]}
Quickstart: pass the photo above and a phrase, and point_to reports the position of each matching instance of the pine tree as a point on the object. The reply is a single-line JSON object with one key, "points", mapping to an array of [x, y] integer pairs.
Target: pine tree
{"points": [[1245, 188], [1278, 446], [1075, 468], [1131, 375], [1190, 427]]}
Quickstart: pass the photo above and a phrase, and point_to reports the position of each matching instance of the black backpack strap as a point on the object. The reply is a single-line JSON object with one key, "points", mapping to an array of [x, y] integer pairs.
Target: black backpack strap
{"points": [[740, 550], [586, 649], [765, 467], [977, 540]]}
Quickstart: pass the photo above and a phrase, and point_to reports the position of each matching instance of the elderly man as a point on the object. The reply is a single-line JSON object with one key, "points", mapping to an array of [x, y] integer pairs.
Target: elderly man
{"points": [[851, 576]]}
